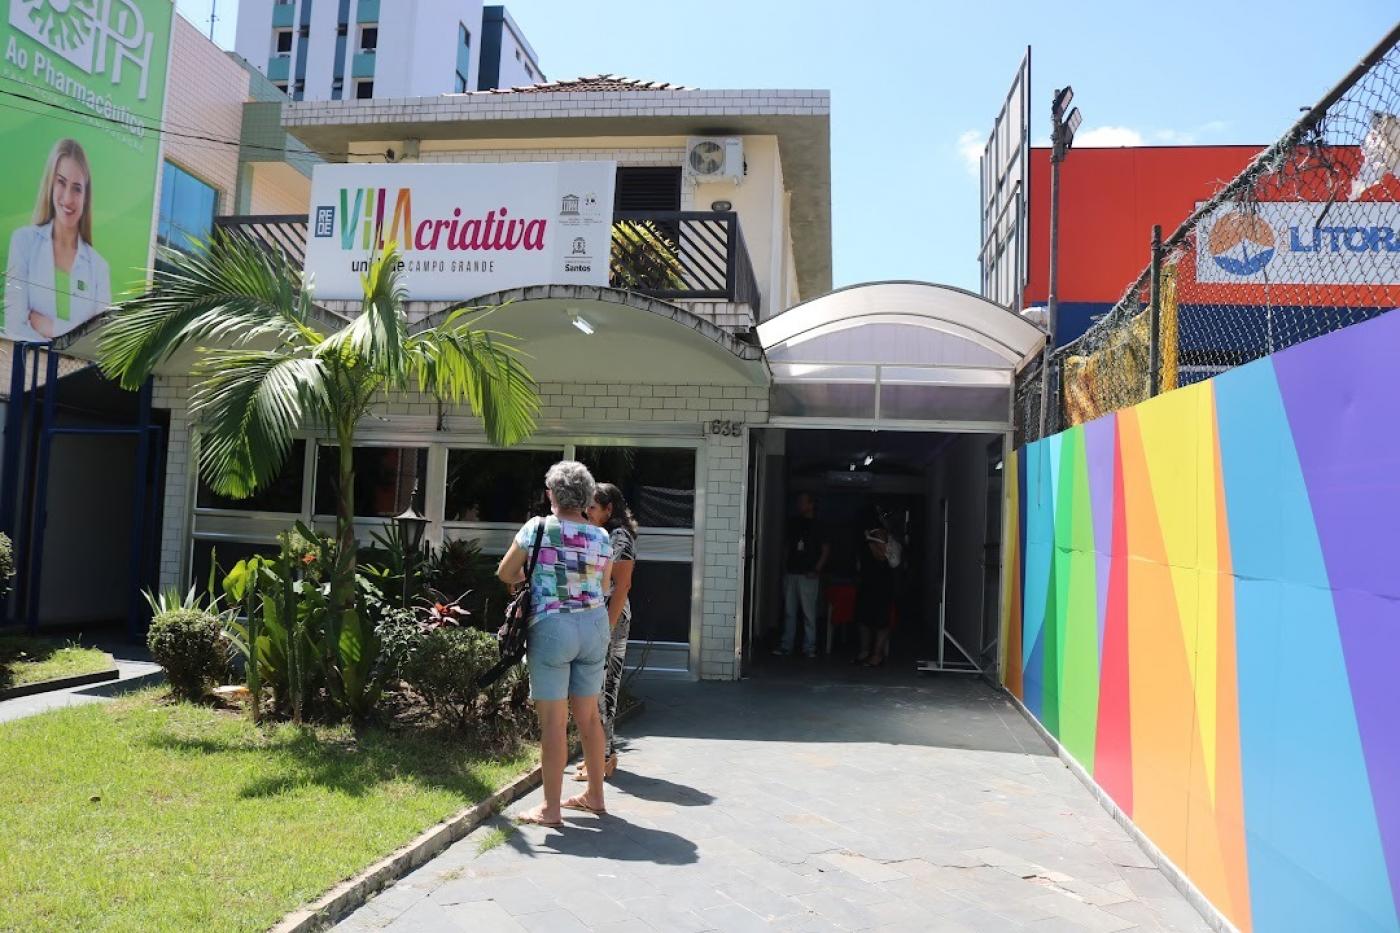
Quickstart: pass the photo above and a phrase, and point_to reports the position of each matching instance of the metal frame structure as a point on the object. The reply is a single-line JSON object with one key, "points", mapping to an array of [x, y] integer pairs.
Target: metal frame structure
{"points": [[210, 524], [27, 527]]}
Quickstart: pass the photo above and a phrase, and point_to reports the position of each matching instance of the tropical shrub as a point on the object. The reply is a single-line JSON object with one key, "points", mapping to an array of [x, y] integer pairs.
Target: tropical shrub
{"points": [[187, 644], [458, 570], [269, 363], [443, 667]]}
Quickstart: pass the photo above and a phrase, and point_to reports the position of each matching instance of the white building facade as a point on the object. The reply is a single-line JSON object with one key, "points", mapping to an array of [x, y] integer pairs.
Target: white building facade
{"points": [[660, 397], [363, 49]]}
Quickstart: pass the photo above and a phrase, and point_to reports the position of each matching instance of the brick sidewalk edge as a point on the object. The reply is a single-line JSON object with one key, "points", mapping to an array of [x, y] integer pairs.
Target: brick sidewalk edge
{"points": [[61, 683], [350, 895]]}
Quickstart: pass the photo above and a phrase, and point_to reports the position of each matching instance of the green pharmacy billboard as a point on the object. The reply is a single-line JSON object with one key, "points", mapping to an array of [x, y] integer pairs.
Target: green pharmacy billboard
{"points": [[82, 95]]}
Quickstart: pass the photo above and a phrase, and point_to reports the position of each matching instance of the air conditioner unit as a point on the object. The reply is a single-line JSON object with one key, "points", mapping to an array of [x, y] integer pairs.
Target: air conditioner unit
{"points": [[715, 157]]}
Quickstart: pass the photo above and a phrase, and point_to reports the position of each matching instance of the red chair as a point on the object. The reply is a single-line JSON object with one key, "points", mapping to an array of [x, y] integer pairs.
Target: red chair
{"points": [[840, 609]]}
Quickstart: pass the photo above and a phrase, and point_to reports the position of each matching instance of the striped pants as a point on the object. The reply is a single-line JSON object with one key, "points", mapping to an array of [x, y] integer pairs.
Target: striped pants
{"points": [[612, 683]]}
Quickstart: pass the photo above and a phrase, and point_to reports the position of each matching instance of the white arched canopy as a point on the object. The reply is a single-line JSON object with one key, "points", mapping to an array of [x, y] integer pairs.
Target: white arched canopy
{"points": [[898, 355]]}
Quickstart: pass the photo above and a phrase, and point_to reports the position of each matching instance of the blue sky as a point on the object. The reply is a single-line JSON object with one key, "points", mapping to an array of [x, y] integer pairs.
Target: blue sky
{"points": [[915, 85]]}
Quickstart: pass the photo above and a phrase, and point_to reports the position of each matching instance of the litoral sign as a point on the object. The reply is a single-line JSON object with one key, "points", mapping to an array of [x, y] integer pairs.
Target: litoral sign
{"points": [[462, 230], [1301, 243]]}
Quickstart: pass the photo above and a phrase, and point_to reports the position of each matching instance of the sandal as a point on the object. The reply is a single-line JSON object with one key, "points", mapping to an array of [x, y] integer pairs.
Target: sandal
{"points": [[580, 803], [609, 769], [537, 819]]}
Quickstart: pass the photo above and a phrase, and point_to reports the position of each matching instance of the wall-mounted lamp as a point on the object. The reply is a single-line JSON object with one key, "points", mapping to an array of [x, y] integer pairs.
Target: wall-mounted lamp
{"points": [[721, 206], [582, 324]]}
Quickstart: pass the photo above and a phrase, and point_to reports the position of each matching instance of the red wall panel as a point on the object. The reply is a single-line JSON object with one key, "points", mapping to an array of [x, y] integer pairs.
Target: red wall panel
{"points": [[1109, 200]]}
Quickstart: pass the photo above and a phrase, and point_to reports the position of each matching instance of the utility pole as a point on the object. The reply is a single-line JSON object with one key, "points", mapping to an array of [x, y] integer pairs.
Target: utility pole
{"points": [[1062, 129], [213, 17]]}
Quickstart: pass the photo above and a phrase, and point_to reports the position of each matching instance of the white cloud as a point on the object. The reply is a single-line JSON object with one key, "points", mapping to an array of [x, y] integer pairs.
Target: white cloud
{"points": [[1107, 137], [1191, 136], [970, 146]]}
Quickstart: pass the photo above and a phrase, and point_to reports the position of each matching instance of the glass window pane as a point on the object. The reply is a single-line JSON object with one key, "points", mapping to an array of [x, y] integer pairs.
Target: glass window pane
{"points": [[944, 403], [660, 600], [227, 553], [658, 482], [822, 400], [386, 478], [496, 485], [167, 201], [283, 494]]}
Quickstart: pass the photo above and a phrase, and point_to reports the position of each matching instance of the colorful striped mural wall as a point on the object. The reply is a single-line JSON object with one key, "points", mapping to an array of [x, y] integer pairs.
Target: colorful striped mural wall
{"points": [[1203, 607]]}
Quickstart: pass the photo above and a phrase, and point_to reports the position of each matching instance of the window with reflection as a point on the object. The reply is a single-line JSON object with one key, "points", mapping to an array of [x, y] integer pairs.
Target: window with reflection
{"points": [[658, 482], [283, 494], [227, 553], [660, 601], [496, 485], [386, 479]]}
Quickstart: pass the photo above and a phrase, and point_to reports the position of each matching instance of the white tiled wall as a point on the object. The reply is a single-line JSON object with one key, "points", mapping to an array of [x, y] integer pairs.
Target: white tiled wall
{"points": [[562, 404]]}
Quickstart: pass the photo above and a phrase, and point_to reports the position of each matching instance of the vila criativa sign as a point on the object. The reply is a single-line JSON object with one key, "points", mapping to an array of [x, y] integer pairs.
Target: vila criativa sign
{"points": [[462, 230]]}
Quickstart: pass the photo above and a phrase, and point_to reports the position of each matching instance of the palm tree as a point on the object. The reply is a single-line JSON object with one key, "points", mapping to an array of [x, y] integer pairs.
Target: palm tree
{"points": [[283, 365]]}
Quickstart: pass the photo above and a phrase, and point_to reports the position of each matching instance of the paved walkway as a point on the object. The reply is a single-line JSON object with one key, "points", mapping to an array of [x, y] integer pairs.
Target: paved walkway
{"points": [[851, 804], [131, 674]]}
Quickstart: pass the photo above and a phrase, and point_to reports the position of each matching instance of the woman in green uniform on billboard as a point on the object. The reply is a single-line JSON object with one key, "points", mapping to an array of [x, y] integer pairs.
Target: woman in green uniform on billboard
{"points": [[54, 279]]}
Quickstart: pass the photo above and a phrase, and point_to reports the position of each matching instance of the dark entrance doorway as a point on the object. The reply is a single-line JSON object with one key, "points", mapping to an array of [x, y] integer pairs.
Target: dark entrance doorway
{"points": [[936, 493]]}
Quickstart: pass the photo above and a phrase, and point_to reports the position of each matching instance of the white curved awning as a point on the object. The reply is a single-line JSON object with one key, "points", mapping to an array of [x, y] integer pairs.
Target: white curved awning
{"points": [[897, 354], [934, 323]]}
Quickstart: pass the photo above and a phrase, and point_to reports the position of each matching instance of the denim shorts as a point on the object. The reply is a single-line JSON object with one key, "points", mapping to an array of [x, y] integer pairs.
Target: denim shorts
{"points": [[565, 653]]}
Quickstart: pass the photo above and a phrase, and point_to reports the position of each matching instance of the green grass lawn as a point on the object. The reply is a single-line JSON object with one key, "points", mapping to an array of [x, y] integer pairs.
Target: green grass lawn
{"points": [[26, 660], [143, 815]]}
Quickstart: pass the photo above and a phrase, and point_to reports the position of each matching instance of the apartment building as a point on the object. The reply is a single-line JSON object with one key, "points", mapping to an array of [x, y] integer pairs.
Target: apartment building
{"points": [[363, 49]]}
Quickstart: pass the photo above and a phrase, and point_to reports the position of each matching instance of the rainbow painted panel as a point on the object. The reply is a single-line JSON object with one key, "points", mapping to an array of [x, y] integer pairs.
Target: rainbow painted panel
{"points": [[1204, 609]]}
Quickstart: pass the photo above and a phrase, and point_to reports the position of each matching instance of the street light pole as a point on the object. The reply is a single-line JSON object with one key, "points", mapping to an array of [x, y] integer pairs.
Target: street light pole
{"points": [[1062, 127]]}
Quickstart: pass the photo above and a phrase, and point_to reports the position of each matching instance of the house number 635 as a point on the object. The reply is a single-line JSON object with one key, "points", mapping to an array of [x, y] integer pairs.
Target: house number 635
{"points": [[725, 428]]}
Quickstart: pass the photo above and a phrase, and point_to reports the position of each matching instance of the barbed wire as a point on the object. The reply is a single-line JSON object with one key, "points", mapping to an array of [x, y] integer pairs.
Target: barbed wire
{"points": [[1304, 241]]}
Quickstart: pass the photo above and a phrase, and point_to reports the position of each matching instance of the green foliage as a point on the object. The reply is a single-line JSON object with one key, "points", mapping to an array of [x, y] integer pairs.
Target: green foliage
{"points": [[187, 644], [303, 651], [443, 668], [7, 566], [170, 599], [461, 572], [388, 561], [645, 256], [270, 364]]}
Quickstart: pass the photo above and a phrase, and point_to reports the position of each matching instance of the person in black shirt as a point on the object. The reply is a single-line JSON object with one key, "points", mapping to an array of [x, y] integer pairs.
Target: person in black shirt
{"points": [[808, 550], [874, 597]]}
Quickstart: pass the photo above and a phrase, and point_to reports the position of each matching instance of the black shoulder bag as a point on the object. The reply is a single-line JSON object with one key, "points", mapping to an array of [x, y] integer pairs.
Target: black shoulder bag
{"points": [[512, 634]]}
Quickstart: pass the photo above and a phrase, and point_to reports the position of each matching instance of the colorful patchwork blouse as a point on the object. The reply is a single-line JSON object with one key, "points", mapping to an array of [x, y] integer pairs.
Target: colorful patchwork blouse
{"points": [[569, 575]]}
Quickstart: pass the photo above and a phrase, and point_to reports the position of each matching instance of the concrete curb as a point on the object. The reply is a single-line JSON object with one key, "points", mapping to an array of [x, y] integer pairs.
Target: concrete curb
{"points": [[62, 683], [1208, 911], [349, 896]]}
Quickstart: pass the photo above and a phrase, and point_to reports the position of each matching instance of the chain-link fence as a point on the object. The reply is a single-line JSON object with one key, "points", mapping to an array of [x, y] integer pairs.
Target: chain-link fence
{"points": [[1306, 240]]}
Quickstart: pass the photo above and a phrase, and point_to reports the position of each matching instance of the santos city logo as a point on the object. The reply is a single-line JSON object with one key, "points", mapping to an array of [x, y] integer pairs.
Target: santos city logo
{"points": [[1242, 244]]}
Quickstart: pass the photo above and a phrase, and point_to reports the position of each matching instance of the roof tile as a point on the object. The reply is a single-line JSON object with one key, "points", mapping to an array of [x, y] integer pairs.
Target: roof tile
{"points": [[590, 84]]}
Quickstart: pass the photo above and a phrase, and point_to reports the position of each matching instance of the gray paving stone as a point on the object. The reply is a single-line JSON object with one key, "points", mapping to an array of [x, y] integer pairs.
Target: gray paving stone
{"points": [[482, 917], [902, 805], [553, 921], [733, 917]]}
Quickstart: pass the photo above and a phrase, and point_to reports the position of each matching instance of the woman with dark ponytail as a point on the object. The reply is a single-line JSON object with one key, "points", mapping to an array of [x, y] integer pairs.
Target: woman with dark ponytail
{"points": [[610, 512]]}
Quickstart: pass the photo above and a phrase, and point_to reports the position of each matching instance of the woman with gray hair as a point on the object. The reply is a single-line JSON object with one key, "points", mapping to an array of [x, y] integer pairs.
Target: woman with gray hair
{"points": [[567, 645]]}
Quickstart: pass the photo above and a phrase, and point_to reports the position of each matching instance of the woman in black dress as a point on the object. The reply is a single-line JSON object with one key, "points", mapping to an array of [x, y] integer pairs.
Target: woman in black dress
{"points": [[874, 597]]}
